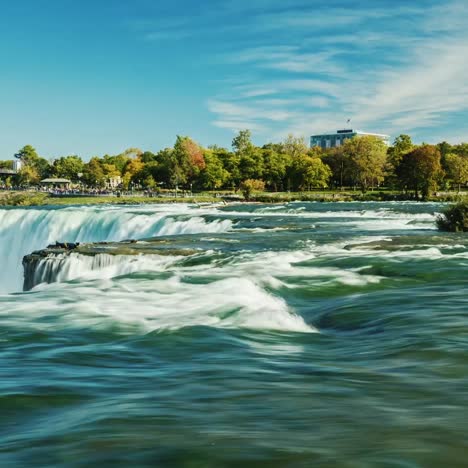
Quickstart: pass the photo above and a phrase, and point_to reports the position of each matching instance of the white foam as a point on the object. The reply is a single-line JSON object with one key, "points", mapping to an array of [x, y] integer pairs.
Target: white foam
{"points": [[61, 268], [25, 230], [151, 305], [273, 269]]}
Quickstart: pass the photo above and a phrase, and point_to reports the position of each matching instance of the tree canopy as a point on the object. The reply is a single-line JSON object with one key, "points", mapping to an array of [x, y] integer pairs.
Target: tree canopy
{"points": [[420, 170], [363, 162]]}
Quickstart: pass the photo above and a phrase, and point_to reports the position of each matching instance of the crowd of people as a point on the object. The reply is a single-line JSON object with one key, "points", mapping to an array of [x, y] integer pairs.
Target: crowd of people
{"points": [[94, 192]]}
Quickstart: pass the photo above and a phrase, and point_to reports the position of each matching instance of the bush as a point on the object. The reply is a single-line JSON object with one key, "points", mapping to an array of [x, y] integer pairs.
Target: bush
{"points": [[454, 219], [24, 199], [251, 185]]}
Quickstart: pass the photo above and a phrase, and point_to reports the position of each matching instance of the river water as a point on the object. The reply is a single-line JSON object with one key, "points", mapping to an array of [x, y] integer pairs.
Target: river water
{"points": [[296, 335]]}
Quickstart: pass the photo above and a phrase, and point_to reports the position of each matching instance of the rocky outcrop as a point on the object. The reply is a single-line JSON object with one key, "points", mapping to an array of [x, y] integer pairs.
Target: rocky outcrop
{"points": [[46, 265]]}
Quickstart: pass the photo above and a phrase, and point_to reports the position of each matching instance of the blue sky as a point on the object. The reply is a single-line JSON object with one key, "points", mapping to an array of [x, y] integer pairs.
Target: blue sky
{"points": [[93, 77]]}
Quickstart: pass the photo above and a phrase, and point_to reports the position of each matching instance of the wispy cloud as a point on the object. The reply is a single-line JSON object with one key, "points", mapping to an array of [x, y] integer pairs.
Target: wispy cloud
{"points": [[236, 116], [288, 58], [403, 69], [302, 66], [238, 125]]}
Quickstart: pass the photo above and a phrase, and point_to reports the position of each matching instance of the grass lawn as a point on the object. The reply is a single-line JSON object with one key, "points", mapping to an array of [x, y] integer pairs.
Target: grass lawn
{"points": [[41, 199]]}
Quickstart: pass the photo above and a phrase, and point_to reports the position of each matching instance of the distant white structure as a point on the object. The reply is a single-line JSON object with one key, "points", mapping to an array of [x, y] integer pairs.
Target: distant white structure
{"points": [[335, 139], [17, 165], [113, 182], [15, 168]]}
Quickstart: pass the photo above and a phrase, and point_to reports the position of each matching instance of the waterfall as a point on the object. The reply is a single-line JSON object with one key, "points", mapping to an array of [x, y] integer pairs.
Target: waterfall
{"points": [[70, 266], [24, 230]]}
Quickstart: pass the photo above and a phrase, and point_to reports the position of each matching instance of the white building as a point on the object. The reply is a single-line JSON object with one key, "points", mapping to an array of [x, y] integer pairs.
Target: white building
{"points": [[113, 182], [17, 165], [335, 139]]}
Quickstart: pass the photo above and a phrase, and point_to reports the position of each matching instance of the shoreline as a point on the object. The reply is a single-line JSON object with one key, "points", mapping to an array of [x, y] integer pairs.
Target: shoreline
{"points": [[34, 199]]}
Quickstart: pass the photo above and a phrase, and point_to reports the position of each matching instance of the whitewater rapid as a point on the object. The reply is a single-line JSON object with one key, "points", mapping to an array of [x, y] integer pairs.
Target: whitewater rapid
{"points": [[23, 231], [246, 260]]}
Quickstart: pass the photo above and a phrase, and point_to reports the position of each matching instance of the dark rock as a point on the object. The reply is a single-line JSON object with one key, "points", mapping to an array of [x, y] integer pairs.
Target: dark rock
{"points": [[64, 245], [41, 266]]}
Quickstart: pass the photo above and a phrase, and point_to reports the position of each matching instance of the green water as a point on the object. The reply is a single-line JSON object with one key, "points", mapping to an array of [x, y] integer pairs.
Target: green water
{"points": [[307, 334]]}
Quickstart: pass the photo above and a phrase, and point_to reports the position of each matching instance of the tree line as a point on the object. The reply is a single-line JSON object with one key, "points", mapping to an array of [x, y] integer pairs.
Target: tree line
{"points": [[363, 163]]}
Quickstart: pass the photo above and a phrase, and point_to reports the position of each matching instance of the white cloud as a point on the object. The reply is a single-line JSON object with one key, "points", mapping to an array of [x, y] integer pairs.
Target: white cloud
{"points": [[229, 110], [238, 125], [405, 74], [250, 92]]}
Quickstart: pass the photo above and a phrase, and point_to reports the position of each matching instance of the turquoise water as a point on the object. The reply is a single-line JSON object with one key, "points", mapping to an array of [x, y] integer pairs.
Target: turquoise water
{"points": [[306, 334]]}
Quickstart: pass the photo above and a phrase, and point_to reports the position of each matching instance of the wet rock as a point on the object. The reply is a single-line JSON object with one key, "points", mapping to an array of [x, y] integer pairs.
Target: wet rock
{"points": [[41, 266]]}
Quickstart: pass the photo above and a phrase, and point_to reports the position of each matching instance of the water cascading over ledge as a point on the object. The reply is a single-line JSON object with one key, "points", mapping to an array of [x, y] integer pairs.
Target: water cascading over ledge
{"points": [[23, 231], [66, 262]]}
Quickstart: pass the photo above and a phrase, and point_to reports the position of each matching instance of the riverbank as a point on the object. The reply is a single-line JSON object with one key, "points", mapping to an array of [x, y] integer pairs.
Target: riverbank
{"points": [[45, 199]]}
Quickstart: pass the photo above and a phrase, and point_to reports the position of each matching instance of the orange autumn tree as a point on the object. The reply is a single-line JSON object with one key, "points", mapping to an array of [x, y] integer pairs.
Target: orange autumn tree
{"points": [[187, 161]]}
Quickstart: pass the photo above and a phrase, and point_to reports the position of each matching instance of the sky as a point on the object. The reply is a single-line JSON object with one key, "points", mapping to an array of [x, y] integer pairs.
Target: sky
{"points": [[95, 77]]}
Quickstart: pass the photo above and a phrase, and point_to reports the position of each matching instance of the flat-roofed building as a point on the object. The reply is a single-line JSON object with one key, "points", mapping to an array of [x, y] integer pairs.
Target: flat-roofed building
{"points": [[6, 171], [12, 168], [335, 139]]}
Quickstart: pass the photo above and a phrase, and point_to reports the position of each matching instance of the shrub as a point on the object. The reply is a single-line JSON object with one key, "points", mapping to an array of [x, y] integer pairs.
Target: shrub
{"points": [[454, 219], [24, 199], [251, 185]]}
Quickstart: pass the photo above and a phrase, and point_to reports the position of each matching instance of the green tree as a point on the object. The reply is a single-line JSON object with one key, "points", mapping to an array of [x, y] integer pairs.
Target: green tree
{"points": [[230, 161], [214, 175], [309, 172], [454, 218], [148, 157], [149, 182], [317, 173], [368, 157], [461, 149], [249, 157], [93, 173], [6, 165], [294, 146], [132, 153], [186, 161], [29, 175], [457, 169], [242, 143], [420, 170], [251, 164], [340, 165], [68, 167], [28, 155], [164, 165], [295, 150], [40, 167], [401, 145], [275, 166], [133, 173], [150, 170], [119, 161]]}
